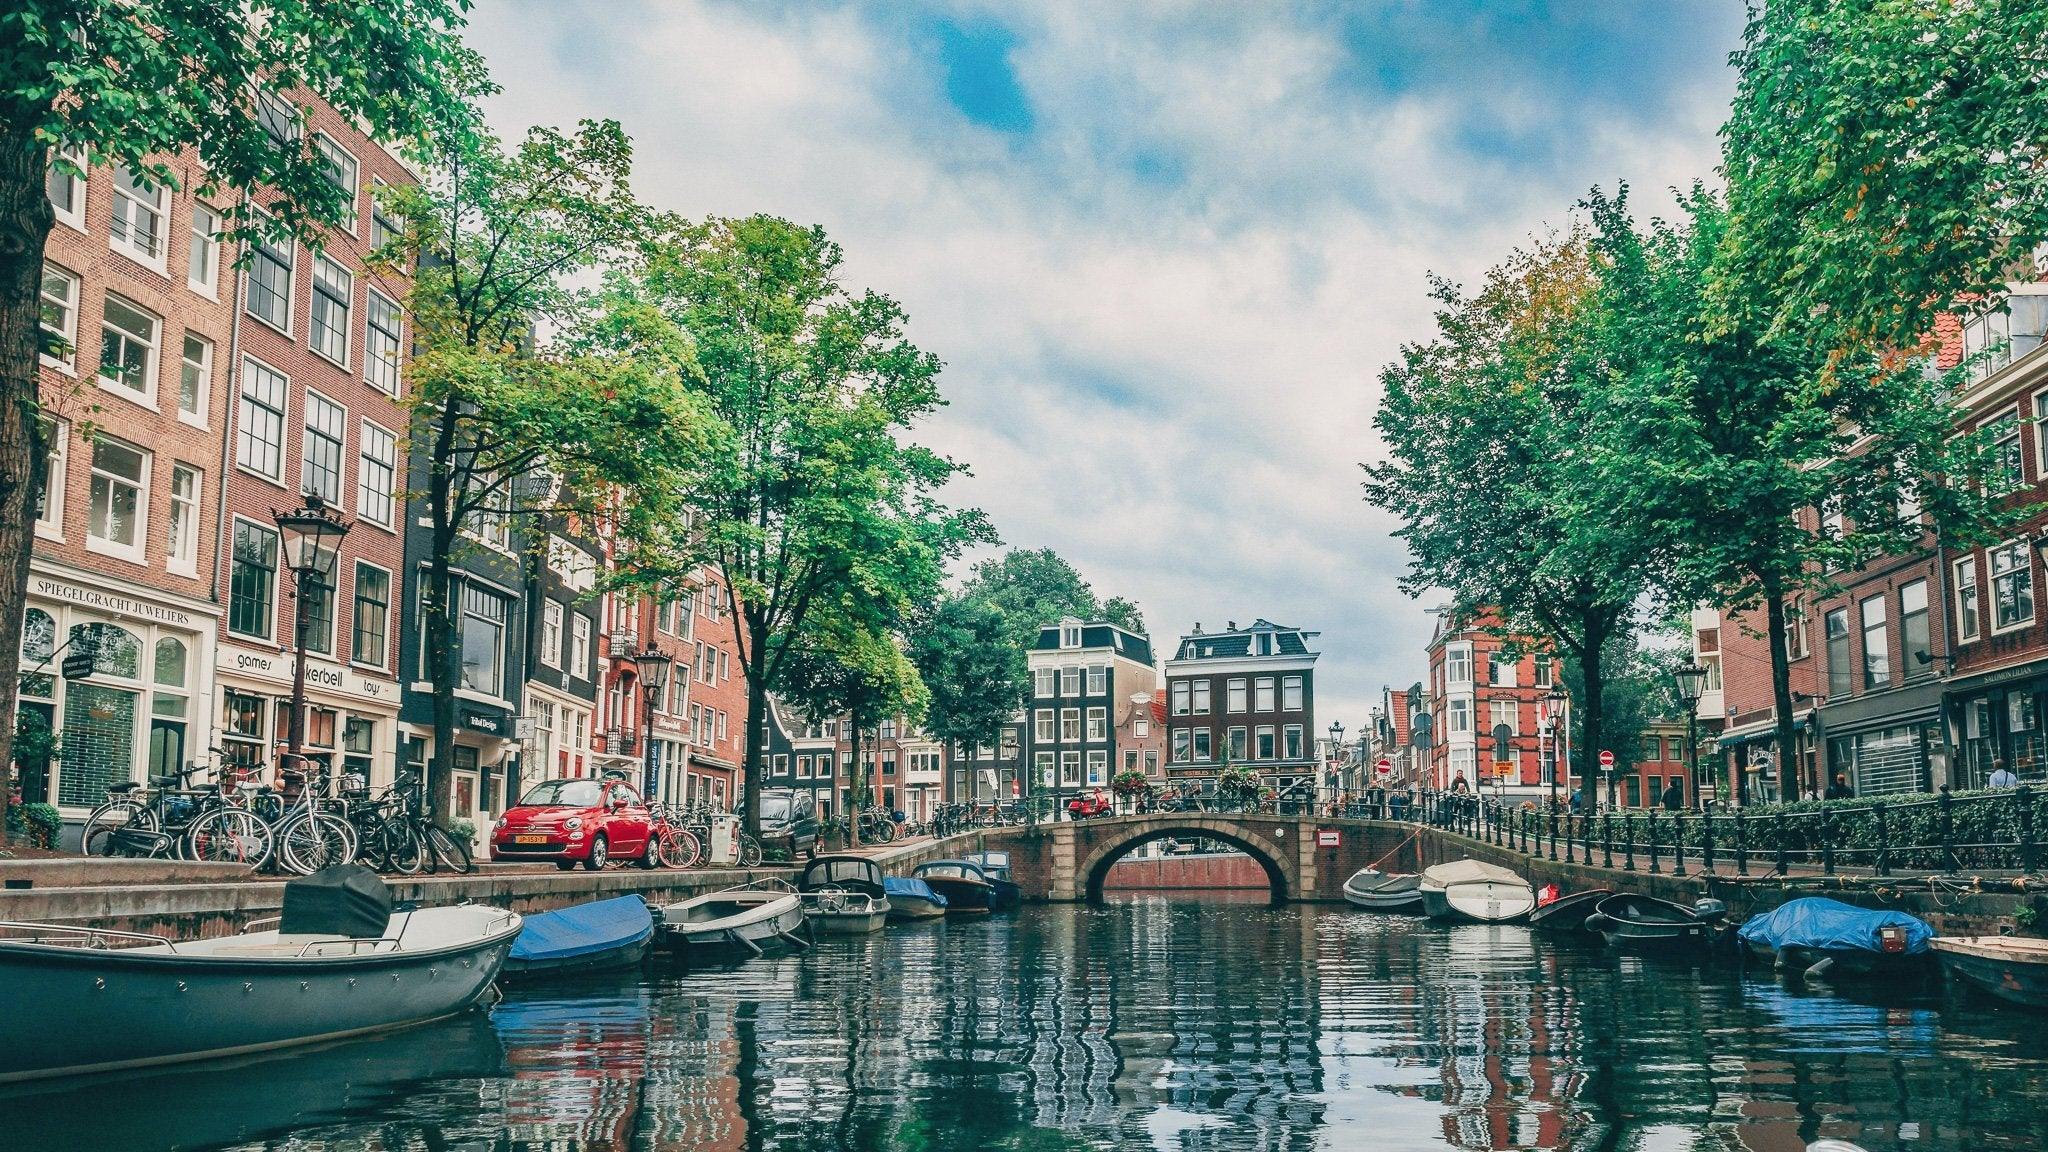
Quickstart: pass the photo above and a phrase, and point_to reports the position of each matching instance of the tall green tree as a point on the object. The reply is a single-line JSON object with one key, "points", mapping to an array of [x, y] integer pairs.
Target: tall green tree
{"points": [[968, 658], [1637, 690], [1494, 466], [1885, 159], [1771, 464], [848, 669], [530, 398], [815, 496], [1033, 587], [87, 83]]}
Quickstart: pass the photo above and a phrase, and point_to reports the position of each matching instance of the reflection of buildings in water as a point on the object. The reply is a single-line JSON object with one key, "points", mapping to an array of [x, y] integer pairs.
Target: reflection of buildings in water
{"points": [[574, 1068]]}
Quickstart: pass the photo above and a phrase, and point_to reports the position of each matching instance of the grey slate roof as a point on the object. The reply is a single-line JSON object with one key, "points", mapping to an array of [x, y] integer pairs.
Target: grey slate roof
{"points": [[1230, 645]]}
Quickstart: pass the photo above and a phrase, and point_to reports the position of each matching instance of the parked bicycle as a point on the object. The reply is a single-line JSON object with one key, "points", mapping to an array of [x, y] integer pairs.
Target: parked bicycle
{"points": [[671, 844]]}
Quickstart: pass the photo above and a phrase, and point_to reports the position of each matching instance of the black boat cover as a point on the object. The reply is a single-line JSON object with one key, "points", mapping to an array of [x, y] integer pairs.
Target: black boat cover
{"points": [[343, 900]]}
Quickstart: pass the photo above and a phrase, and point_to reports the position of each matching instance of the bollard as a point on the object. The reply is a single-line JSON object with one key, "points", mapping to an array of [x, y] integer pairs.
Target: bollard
{"points": [[1654, 868], [2024, 797], [1948, 831], [1707, 837], [1884, 840]]}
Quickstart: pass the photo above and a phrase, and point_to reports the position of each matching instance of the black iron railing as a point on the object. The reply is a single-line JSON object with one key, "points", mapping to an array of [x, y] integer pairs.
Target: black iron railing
{"points": [[1942, 833]]}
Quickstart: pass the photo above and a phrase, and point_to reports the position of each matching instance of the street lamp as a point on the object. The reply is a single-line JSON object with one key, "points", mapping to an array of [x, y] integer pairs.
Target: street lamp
{"points": [[1336, 750], [312, 538], [1690, 681], [1553, 711], [654, 665]]}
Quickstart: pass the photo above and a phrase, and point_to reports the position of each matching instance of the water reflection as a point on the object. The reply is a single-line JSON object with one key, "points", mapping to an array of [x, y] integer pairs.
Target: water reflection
{"points": [[1144, 1024]]}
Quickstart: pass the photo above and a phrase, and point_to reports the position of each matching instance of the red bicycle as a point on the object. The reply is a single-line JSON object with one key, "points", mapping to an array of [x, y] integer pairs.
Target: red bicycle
{"points": [[669, 844]]}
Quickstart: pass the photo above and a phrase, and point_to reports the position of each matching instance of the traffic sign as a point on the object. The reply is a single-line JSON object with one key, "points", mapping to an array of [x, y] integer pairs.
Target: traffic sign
{"points": [[1385, 765], [1328, 838], [1606, 758], [1504, 769]]}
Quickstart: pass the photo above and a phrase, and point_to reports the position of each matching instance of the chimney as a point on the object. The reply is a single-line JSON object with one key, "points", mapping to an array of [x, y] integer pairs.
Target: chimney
{"points": [[1198, 627], [1232, 627]]}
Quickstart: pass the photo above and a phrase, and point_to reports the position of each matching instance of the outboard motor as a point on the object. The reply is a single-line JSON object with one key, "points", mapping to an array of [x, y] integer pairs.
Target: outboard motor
{"points": [[1710, 910]]}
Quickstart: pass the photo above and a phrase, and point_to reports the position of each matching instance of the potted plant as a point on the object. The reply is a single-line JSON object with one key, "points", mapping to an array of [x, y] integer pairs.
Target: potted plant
{"points": [[1237, 786], [1130, 785]]}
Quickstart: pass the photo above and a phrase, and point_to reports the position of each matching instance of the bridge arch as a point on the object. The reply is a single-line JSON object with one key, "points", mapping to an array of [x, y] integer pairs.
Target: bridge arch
{"points": [[1100, 844]]}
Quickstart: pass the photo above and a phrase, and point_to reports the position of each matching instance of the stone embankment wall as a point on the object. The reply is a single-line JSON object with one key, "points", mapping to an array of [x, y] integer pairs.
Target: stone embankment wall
{"points": [[1168, 873]]}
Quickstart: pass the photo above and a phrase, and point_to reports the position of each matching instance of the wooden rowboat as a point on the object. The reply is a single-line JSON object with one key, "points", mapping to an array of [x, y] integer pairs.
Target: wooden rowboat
{"points": [[1568, 913], [2008, 967], [1384, 891], [1475, 890]]}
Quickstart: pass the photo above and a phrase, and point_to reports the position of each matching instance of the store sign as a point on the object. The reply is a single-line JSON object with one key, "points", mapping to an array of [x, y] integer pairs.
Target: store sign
{"points": [[321, 676], [488, 723], [111, 603], [78, 665]]}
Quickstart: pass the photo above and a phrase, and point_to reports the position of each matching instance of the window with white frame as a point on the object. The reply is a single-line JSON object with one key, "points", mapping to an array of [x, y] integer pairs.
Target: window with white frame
{"points": [[202, 252], [2008, 471], [491, 522], [50, 498], [1458, 664], [181, 540], [59, 317], [253, 581], [1967, 608], [1263, 746], [1460, 715], [1070, 769], [1042, 726], [278, 117], [1180, 695], [1181, 746], [1098, 679], [579, 647], [1201, 694], [2012, 587], [195, 378], [119, 508], [341, 171], [1236, 694], [128, 349], [333, 293], [384, 229], [1098, 724], [551, 634], [377, 475], [1262, 694], [1043, 681], [1501, 712], [1070, 635], [1501, 670], [1070, 725], [1291, 742], [1996, 337], [381, 347], [1070, 681], [1290, 694], [270, 281], [65, 182], [1797, 645], [321, 454], [483, 639], [259, 424], [370, 634], [137, 225], [1203, 748]]}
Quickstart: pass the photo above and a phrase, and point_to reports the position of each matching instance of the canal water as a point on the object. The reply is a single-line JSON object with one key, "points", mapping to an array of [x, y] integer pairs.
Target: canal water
{"points": [[1144, 1024]]}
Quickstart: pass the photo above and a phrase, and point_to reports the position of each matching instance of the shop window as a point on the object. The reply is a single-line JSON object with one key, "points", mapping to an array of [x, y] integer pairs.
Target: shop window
{"points": [[99, 741], [38, 646], [358, 744], [116, 651]]}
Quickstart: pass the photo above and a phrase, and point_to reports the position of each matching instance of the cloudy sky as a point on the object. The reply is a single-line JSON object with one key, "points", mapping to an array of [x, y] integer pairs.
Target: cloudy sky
{"points": [[1163, 249]]}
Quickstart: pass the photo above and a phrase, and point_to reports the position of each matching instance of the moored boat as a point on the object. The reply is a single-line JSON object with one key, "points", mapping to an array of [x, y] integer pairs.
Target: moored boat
{"points": [[913, 899], [1384, 891], [964, 885], [844, 895], [1824, 938], [1475, 890], [2008, 967], [338, 962], [1568, 913], [1628, 920], [995, 866], [598, 936], [765, 916]]}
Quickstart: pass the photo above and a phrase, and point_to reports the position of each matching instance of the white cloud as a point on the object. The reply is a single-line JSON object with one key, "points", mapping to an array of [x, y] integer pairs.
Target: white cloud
{"points": [[1169, 379]]}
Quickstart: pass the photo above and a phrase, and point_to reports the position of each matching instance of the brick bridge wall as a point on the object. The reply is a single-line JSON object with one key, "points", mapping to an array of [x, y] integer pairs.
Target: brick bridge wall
{"points": [[1214, 870]]}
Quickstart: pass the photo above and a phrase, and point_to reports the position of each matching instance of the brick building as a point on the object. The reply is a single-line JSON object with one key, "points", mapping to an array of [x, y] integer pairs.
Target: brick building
{"points": [[715, 718], [1657, 764], [1486, 703], [1245, 696]]}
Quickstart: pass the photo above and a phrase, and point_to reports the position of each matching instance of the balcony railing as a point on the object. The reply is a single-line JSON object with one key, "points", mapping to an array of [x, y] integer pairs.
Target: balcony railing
{"points": [[618, 742], [622, 643]]}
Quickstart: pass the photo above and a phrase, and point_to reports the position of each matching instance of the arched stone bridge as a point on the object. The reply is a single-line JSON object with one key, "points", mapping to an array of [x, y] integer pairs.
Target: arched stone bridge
{"points": [[1068, 860]]}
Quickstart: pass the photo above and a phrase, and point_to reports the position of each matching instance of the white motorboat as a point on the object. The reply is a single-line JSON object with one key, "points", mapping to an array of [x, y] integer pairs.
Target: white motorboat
{"points": [[844, 895], [1476, 890], [1383, 891], [337, 963], [767, 915]]}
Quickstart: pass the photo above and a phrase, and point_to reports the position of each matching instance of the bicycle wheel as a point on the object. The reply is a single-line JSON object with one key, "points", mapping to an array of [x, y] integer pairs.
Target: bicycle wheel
{"points": [[750, 851], [448, 851], [401, 848], [229, 836], [97, 838], [308, 843]]}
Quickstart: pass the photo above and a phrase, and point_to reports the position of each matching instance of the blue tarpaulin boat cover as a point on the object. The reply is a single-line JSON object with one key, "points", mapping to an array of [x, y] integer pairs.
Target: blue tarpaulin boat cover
{"points": [[583, 929], [1822, 924], [913, 887]]}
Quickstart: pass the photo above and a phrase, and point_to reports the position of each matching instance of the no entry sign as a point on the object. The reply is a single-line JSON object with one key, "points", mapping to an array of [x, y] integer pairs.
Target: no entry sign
{"points": [[1606, 758]]}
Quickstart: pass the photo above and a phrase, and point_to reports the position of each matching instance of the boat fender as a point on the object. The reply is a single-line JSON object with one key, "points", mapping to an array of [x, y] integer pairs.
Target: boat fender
{"points": [[1819, 971], [1597, 922]]}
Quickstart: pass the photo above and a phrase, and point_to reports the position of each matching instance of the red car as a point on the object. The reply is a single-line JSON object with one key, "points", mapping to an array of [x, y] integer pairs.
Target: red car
{"points": [[567, 821], [1086, 804]]}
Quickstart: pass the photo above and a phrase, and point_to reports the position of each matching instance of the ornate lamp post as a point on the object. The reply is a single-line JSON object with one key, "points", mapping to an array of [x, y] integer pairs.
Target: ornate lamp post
{"points": [[1551, 711], [1690, 682], [312, 539], [654, 665], [1336, 752]]}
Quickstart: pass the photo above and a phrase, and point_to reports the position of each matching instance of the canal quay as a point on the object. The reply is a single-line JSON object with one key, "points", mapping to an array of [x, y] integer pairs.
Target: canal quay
{"points": [[1152, 1016]]}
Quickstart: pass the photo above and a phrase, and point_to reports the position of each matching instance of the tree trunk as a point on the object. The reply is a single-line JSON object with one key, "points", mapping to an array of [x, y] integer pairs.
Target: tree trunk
{"points": [[1781, 700], [444, 664], [854, 786], [1592, 667], [753, 665], [25, 220]]}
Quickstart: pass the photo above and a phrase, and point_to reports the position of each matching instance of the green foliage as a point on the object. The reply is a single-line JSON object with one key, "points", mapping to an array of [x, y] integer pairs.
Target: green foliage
{"points": [[1130, 782], [1236, 784], [40, 823], [1884, 159], [966, 658], [1034, 587], [1636, 671]]}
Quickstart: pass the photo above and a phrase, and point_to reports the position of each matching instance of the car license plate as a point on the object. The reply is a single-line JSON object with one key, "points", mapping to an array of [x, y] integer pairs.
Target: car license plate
{"points": [[529, 839]]}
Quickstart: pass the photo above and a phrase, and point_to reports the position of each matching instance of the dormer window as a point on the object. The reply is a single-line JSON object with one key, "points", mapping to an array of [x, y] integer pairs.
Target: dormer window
{"points": [[1070, 633], [1265, 640]]}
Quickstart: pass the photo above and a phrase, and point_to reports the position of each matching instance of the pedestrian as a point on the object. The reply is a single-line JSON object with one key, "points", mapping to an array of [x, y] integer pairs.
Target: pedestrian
{"points": [[1458, 783], [1578, 801], [1674, 796], [2002, 777], [1840, 790]]}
